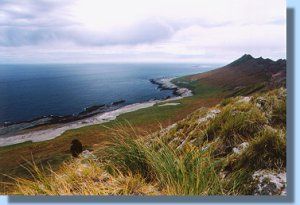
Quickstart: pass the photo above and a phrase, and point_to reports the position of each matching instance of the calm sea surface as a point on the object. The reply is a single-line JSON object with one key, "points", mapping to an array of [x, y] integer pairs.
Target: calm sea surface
{"points": [[30, 91]]}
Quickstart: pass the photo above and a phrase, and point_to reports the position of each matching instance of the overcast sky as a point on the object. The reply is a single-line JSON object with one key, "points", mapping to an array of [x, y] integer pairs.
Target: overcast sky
{"points": [[204, 31]]}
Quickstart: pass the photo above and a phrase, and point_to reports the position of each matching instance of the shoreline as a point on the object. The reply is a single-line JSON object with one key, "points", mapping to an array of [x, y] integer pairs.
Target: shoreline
{"points": [[16, 128], [99, 118], [166, 84]]}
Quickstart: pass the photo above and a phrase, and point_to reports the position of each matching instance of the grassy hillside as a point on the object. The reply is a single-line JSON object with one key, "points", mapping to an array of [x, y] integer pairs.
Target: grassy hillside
{"points": [[244, 76], [236, 147], [56, 151], [208, 92]]}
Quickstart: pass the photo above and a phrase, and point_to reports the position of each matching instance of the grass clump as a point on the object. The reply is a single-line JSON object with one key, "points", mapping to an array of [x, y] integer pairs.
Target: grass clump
{"points": [[236, 123], [177, 172], [213, 151], [129, 167], [82, 177], [226, 101], [273, 103], [266, 150], [127, 154]]}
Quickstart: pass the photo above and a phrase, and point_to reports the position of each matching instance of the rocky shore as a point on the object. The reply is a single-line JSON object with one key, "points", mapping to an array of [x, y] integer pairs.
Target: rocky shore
{"points": [[8, 129], [166, 84]]}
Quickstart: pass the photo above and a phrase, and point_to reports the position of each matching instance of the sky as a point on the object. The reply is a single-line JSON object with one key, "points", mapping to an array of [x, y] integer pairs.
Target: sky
{"points": [[79, 31]]}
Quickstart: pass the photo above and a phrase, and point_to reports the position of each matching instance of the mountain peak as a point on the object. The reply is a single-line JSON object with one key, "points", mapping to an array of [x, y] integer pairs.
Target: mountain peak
{"points": [[246, 56], [243, 59]]}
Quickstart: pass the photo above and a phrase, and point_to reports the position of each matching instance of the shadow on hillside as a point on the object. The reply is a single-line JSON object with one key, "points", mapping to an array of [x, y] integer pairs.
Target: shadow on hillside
{"points": [[211, 199]]}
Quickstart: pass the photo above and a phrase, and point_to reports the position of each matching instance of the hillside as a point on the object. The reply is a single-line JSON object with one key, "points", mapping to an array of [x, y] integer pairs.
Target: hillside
{"points": [[237, 147], [244, 76], [228, 138]]}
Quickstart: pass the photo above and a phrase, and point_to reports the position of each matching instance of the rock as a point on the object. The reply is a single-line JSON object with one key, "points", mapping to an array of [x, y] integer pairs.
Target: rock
{"points": [[261, 102], [167, 129], [166, 84], [269, 182], [240, 147], [87, 154], [282, 93], [223, 174], [244, 99], [183, 92], [118, 102], [205, 147], [215, 111], [210, 115]]}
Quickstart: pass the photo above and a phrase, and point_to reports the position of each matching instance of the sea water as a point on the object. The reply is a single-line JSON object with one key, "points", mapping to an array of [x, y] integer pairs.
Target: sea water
{"points": [[31, 91]]}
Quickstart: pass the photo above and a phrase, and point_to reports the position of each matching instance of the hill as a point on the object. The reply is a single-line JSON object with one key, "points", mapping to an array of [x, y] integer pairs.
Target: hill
{"points": [[234, 117], [237, 147], [244, 76]]}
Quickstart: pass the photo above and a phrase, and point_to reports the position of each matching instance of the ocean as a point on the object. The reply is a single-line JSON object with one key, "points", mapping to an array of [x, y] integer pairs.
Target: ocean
{"points": [[32, 91]]}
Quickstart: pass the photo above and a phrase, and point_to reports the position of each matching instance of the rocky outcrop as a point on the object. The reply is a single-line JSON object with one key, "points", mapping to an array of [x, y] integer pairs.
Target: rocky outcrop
{"points": [[166, 84], [269, 182]]}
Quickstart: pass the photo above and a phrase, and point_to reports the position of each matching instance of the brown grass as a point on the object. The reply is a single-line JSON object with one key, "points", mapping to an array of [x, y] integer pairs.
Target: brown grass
{"points": [[57, 150]]}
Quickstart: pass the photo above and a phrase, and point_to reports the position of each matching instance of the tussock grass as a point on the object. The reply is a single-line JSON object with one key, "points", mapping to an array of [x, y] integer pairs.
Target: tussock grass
{"points": [[236, 123], [129, 166], [273, 103], [195, 156], [177, 172], [266, 150], [82, 177], [227, 101]]}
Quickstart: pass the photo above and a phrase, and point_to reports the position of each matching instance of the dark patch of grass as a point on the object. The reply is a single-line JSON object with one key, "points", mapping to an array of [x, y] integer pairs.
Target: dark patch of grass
{"points": [[226, 101], [248, 90], [239, 182], [279, 113]]}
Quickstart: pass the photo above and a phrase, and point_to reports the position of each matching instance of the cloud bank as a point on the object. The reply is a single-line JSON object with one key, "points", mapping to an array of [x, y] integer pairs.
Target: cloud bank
{"points": [[44, 31]]}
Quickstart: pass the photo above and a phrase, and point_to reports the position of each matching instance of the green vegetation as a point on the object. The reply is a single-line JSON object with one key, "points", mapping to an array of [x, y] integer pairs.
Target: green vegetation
{"points": [[14, 146], [150, 119], [199, 89], [198, 147], [250, 89], [267, 150], [177, 173], [212, 151], [82, 177], [237, 122]]}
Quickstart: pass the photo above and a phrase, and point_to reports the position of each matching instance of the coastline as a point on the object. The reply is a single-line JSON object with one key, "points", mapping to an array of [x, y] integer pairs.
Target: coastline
{"points": [[15, 128], [99, 118], [166, 84]]}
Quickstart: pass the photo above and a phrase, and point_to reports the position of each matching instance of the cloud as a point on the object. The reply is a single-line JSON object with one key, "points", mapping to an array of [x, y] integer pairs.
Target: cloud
{"points": [[95, 30], [147, 31]]}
